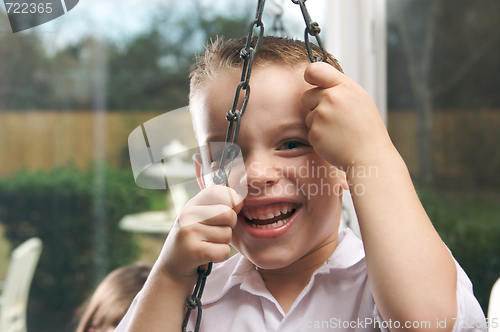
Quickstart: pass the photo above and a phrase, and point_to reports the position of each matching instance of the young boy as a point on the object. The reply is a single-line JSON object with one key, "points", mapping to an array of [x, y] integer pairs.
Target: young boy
{"points": [[305, 123]]}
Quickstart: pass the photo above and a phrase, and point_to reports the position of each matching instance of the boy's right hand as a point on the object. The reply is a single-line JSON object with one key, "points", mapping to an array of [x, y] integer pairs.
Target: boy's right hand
{"points": [[201, 233], [345, 125]]}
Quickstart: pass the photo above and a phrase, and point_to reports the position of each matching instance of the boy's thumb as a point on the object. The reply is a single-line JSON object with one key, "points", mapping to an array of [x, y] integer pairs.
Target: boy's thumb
{"points": [[236, 200], [323, 75]]}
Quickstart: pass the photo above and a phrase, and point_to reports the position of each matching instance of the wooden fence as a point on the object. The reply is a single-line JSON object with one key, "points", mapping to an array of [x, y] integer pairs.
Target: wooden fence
{"points": [[465, 144], [45, 139]]}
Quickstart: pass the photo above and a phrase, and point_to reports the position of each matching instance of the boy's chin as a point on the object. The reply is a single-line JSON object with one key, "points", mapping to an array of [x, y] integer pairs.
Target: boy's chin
{"points": [[272, 266], [271, 261]]}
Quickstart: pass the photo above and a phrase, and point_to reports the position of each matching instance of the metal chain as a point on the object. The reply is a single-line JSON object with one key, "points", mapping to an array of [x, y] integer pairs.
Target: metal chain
{"points": [[247, 54], [194, 301], [278, 28], [234, 115], [229, 153], [312, 28]]}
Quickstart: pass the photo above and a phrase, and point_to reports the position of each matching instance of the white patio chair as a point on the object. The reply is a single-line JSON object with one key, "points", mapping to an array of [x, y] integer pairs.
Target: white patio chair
{"points": [[14, 298], [494, 308]]}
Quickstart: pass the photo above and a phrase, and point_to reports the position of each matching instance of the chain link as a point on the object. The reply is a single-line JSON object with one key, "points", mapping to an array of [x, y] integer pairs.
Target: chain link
{"points": [[234, 115], [313, 29], [278, 28], [194, 300]]}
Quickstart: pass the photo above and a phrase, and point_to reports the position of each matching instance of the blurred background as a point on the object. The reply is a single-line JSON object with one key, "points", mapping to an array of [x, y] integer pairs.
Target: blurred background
{"points": [[73, 89]]}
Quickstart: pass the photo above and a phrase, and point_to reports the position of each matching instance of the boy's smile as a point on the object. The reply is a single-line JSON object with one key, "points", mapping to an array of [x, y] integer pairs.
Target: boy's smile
{"points": [[294, 196], [268, 216], [268, 220]]}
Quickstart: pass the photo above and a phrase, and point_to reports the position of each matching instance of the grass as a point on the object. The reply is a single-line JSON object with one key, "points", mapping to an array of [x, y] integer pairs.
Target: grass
{"points": [[469, 224]]}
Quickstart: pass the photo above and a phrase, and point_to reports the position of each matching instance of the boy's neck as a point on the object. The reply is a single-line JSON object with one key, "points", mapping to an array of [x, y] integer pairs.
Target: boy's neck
{"points": [[286, 283]]}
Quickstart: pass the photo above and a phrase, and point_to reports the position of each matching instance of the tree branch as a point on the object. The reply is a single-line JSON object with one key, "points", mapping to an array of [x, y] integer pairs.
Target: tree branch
{"points": [[415, 77], [429, 41]]}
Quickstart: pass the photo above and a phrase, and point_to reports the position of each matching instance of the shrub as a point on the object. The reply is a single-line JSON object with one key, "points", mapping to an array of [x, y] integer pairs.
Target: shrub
{"points": [[57, 206]]}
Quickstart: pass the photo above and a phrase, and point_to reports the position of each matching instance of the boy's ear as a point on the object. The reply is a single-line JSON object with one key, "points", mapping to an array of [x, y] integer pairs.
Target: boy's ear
{"points": [[198, 164]]}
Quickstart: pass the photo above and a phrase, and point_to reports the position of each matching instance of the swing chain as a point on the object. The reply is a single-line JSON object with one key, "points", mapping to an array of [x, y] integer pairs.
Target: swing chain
{"points": [[229, 153], [313, 29], [194, 301], [278, 28], [234, 115]]}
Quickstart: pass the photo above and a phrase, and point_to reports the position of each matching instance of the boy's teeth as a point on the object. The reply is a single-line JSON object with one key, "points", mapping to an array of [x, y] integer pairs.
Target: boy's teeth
{"points": [[269, 212], [273, 225]]}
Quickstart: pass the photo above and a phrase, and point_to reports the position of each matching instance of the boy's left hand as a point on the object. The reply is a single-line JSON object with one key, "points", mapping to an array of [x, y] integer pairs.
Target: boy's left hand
{"points": [[345, 125]]}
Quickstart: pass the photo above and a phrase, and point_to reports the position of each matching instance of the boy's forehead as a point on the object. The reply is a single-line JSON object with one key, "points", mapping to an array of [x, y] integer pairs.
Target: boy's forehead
{"points": [[209, 122], [216, 95], [212, 100]]}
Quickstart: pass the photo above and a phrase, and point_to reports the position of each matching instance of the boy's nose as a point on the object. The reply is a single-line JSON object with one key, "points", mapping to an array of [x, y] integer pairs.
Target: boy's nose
{"points": [[259, 174]]}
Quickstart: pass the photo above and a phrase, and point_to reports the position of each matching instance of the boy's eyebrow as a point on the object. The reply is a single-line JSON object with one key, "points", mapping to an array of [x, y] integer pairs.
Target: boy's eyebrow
{"points": [[292, 126], [216, 138]]}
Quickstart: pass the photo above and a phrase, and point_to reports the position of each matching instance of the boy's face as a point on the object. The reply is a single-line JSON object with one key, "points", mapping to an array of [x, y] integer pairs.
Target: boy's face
{"points": [[294, 196]]}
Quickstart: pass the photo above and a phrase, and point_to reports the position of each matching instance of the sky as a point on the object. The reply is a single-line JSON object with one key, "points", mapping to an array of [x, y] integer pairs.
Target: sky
{"points": [[120, 19]]}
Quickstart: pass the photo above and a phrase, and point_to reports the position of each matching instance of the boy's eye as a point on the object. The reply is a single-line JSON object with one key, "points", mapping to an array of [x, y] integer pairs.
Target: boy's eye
{"points": [[290, 145]]}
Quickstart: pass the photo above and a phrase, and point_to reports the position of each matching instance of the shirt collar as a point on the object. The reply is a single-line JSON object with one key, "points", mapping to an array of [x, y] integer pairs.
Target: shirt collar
{"points": [[349, 251], [238, 270]]}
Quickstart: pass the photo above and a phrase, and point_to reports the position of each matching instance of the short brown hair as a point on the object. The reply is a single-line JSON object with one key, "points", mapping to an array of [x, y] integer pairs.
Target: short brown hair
{"points": [[220, 55]]}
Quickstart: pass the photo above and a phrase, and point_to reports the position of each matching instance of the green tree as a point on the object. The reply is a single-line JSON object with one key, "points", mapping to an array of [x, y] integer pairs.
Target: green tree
{"points": [[24, 74], [152, 71]]}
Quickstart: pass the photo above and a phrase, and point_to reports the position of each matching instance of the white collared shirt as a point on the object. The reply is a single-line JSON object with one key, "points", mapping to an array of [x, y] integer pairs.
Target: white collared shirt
{"points": [[338, 297]]}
